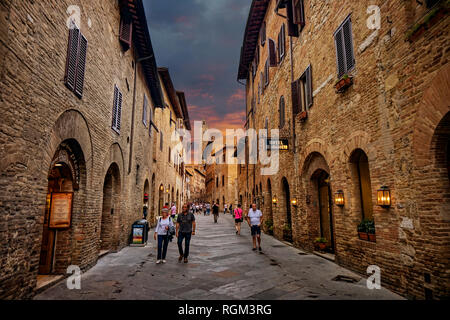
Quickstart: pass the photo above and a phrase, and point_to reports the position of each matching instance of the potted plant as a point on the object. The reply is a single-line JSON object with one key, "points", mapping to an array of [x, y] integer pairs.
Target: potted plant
{"points": [[362, 230], [343, 83], [269, 226], [321, 243], [287, 233], [303, 115], [371, 231]]}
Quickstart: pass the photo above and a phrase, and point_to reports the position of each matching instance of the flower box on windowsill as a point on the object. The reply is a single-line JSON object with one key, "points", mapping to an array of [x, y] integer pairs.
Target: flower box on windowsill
{"points": [[303, 116], [363, 236], [372, 237], [343, 84]]}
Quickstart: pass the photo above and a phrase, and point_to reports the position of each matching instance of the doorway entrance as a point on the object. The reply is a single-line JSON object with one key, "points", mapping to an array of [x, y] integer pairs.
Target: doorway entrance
{"points": [[325, 208], [110, 210]]}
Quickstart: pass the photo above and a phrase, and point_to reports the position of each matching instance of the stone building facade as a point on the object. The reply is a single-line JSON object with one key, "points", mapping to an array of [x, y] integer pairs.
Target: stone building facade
{"points": [[223, 181], [79, 92], [359, 91], [198, 193]]}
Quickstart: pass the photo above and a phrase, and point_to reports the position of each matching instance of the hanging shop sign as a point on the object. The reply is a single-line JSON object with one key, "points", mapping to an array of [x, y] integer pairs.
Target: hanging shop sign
{"points": [[277, 144], [61, 210]]}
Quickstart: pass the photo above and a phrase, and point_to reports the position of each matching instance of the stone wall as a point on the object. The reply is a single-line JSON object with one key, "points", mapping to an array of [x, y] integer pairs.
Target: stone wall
{"points": [[396, 112], [39, 113]]}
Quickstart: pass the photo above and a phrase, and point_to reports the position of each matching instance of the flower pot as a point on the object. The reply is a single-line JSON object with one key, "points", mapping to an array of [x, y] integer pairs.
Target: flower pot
{"points": [[303, 115], [372, 237], [322, 246], [363, 236], [343, 84]]}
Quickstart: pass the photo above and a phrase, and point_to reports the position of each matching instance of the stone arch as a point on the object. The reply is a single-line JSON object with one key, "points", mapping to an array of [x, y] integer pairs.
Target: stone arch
{"points": [[434, 106], [314, 146], [71, 124], [115, 155], [358, 140]]}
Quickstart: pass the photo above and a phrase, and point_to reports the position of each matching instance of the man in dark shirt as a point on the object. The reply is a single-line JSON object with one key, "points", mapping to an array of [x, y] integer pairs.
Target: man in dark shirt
{"points": [[215, 212], [185, 229]]}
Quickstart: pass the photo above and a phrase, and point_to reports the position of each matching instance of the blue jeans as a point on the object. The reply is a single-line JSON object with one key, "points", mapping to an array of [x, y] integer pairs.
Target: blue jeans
{"points": [[184, 236], [163, 242]]}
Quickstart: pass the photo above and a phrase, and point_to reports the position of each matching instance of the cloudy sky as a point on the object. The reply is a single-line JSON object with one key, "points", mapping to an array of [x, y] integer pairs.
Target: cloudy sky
{"points": [[199, 41]]}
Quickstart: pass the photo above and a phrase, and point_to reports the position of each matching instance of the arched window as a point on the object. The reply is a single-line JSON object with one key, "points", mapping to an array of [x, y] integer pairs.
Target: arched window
{"points": [[282, 111], [361, 176]]}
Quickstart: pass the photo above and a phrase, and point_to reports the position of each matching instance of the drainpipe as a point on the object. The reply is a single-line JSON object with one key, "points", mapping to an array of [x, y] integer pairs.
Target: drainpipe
{"points": [[137, 61]]}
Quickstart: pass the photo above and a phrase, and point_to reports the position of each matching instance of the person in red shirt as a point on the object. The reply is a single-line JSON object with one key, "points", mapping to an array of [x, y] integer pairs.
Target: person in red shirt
{"points": [[238, 218]]}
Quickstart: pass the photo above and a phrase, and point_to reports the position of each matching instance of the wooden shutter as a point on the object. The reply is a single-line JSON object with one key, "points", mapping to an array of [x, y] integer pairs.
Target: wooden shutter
{"points": [[282, 112], [299, 13], [282, 42], [161, 142], [348, 44], [292, 27], [81, 66], [308, 87], [126, 32], [340, 55], [295, 97], [272, 53], [263, 33], [266, 73], [71, 60], [144, 111], [114, 113], [119, 111]]}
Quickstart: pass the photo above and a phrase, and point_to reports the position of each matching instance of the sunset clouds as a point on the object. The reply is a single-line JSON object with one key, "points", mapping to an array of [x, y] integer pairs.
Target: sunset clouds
{"points": [[199, 41]]}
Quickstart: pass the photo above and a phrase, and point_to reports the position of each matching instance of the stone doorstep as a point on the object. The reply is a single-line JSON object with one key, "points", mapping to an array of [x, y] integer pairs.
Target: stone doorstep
{"points": [[46, 281], [327, 256], [103, 253]]}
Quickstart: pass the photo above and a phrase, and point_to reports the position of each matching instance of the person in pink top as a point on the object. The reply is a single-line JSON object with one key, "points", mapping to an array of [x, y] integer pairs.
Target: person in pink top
{"points": [[238, 218]]}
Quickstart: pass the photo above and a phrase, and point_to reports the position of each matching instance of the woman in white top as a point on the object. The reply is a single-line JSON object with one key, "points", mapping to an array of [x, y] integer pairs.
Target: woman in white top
{"points": [[161, 234]]}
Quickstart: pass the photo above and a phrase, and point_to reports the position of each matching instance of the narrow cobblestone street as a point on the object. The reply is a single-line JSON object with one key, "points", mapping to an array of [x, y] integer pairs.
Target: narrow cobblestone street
{"points": [[222, 266]]}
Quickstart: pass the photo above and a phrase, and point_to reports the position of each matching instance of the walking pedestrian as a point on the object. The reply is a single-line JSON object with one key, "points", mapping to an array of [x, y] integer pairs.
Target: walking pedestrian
{"points": [[208, 209], [231, 208], [225, 207], [254, 221], [215, 212], [173, 210], [238, 218], [185, 229], [161, 234]]}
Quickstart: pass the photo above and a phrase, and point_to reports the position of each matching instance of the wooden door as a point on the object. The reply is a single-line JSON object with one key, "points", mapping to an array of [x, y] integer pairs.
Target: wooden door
{"points": [[48, 240]]}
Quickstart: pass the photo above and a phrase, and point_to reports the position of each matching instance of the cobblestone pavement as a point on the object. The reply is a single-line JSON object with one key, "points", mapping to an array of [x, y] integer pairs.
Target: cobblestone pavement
{"points": [[221, 266]]}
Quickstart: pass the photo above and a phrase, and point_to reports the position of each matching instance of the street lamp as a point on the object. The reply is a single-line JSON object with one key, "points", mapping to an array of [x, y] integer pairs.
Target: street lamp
{"points": [[384, 197], [339, 198]]}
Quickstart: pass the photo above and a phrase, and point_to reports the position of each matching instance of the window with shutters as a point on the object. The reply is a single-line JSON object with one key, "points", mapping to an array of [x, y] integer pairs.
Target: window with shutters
{"points": [[145, 111], [117, 110], [302, 98], [266, 73], [151, 124], [272, 53], [263, 33], [76, 61], [281, 44], [126, 31], [282, 112], [298, 13], [343, 40]]}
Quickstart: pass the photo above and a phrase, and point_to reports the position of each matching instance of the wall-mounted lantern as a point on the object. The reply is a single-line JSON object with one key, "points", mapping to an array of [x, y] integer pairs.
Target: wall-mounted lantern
{"points": [[274, 200], [384, 197], [161, 188], [294, 202], [339, 198]]}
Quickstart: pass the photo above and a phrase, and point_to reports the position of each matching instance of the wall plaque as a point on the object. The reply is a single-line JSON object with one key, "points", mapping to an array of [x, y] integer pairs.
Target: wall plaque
{"points": [[61, 210]]}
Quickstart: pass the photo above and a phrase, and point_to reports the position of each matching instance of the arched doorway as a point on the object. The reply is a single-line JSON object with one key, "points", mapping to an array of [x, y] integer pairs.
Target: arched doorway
{"points": [[146, 198], [362, 185], [322, 181], [160, 200], [65, 193], [109, 231], [285, 203]]}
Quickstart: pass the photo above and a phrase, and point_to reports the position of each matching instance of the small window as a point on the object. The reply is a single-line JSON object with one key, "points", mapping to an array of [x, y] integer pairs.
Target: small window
{"points": [[76, 61], [117, 110], [266, 73], [344, 48], [282, 112], [144, 111], [302, 98], [281, 44], [263, 33], [223, 181], [170, 155], [299, 13], [161, 141]]}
